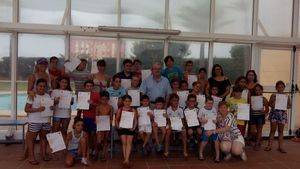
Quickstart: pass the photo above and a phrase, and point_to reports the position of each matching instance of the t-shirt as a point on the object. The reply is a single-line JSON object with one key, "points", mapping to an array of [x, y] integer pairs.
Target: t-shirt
{"points": [[177, 113], [221, 85], [207, 113], [232, 123], [91, 113], [60, 112], [233, 105], [122, 75], [116, 92], [36, 103], [171, 73]]}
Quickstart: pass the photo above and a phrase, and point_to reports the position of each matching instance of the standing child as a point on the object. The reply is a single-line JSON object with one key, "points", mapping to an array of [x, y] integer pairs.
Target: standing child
{"points": [[242, 83], [214, 94], [174, 111], [37, 124], [125, 134], [278, 118], [116, 90], [199, 94], [76, 144], [175, 85], [103, 109], [188, 69], [145, 115], [207, 116]]}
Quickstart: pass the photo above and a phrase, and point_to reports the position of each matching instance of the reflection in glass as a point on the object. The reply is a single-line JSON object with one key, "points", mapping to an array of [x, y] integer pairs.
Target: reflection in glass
{"points": [[6, 10]]}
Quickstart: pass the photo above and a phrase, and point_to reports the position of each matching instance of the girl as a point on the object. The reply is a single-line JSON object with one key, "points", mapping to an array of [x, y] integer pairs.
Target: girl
{"points": [[184, 85], [76, 144], [200, 96], [101, 79], [171, 71], [278, 118], [54, 71], [116, 91], [213, 93], [202, 78], [61, 116], [126, 135], [232, 141], [175, 85], [175, 111], [242, 82], [37, 124], [257, 116], [251, 79]]}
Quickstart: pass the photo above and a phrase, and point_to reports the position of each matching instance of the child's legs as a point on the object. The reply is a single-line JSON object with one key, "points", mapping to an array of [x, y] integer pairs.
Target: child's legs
{"points": [[217, 149], [190, 133], [184, 141], [143, 136], [56, 124], [65, 125], [280, 135], [104, 143], [259, 128], [155, 134], [129, 139], [163, 134], [167, 140], [124, 142], [69, 160], [147, 138], [30, 139], [225, 147], [272, 132], [44, 142], [83, 147]]}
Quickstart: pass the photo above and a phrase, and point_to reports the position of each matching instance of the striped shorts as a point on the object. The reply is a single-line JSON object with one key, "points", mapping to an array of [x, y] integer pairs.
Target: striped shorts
{"points": [[36, 127]]}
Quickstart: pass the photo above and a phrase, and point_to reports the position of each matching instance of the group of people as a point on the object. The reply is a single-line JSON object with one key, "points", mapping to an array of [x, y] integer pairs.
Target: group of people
{"points": [[171, 105]]}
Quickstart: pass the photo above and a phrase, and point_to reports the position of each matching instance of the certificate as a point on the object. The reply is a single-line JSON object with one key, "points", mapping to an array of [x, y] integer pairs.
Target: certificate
{"points": [[72, 64], [113, 101], [281, 102], [146, 73], [83, 100], [103, 123], [209, 125], [94, 68], [191, 80], [144, 118], [56, 141], [47, 103], [135, 95], [191, 118], [65, 99], [159, 117], [176, 123], [217, 100], [182, 97], [201, 100], [257, 102], [243, 112], [245, 94], [126, 120], [126, 83]]}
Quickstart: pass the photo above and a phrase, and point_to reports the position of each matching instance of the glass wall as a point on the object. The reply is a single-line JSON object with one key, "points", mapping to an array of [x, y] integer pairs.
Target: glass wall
{"points": [[6, 10]]}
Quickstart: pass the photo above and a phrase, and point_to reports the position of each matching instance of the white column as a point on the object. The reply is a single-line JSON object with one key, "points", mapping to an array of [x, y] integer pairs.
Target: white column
{"points": [[14, 56]]}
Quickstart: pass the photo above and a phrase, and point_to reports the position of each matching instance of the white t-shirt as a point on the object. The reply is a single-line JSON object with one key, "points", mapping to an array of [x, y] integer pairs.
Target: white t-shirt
{"points": [[177, 113], [60, 112], [36, 103], [208, 114]]}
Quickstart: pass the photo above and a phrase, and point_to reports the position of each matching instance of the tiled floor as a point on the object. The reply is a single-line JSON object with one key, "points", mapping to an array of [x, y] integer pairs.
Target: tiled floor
{"points": [[256, 160]]}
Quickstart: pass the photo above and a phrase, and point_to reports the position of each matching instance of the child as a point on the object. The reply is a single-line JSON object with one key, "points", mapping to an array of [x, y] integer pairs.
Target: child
{"points": [[214, 94], [37, 124], [171, 71], [175, 85], [193, 132], [184, 85], [207, 115], [144, 121], [116, 90], [135, 82], [257, 116], [199, 94], [126, 135], [175, 111], [76, 144], [242, 82], [61, 116], [103, 109], [202, 78], [188, 69], [278, 118], [233, 106], [159, 105]]}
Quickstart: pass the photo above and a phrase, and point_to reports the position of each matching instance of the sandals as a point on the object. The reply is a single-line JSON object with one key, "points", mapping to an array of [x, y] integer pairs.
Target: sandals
{"points": [[201, 158], [217, 160], [268, 148], [166, 155], [33, 162]]}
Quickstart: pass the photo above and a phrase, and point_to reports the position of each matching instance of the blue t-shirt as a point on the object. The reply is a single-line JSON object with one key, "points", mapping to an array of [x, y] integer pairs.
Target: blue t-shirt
{"points": [[171, 73], [116, 93]]}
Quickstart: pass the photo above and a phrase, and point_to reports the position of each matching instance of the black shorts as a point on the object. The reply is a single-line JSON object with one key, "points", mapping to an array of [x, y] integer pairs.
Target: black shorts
{"points": [[257, 119], [125, 132]]}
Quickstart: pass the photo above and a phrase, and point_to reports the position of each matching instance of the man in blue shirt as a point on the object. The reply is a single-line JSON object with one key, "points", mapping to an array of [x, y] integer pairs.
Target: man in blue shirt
{"points": [[172, 71], [156, 85]]}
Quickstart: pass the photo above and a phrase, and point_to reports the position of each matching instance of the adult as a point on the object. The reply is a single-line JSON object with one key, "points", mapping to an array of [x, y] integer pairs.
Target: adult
{"points": [[171, 71], [202, 79], [220, 81], [101, 79], [137, 68], [251, 79], [54, 71], [127, 70], [156, 85], [80, 75], [188, 69]]}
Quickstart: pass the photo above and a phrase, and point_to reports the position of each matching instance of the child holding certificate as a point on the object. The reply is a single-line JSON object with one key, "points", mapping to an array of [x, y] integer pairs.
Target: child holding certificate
{"points": [[37, 124], [208, 118], [242, 82], [77, 144], [175, 123], [159, 123], [259, 109], [279, 104], [184, 85], [199, 94], [126, 122], [214, 94], [233, 106], [145, 115], [175, 85], [62, 111], [104, 112], [116, 91]]}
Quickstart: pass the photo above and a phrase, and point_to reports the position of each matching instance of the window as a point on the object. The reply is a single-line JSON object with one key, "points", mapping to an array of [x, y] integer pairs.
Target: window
{"points": [[94, 12], [143, 13], [233, 16], [190, 16], [146, 51], [194, 51], [234, 58], [95, 48], [42, 12], [275, 18], [6, 10]]}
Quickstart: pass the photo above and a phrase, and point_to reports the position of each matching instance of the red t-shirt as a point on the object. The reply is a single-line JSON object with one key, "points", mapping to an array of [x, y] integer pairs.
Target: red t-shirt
{"points": [[91, 113]]}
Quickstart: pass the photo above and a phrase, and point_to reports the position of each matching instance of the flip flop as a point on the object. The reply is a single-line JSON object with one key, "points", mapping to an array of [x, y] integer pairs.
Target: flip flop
{"points": [[33, 162]]}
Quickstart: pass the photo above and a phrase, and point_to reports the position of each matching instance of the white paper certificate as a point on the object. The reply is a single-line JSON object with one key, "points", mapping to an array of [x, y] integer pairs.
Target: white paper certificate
{"points": [[113, 101], [146, 73], [257, 102], [65, 98], [47, 103], [217, 100], [126, 83], [159, 117], [210, 125], [135, 95], [144, 118], [182, 97], [191, 118], [191, 80], [126, 120], [94, 68], [201, 100], [176, 123], [281, 102], [83, 100], [56, 141], [243, 112], [72, 64], [245, 94], [103, 123]]}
